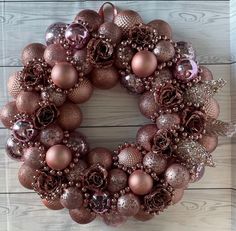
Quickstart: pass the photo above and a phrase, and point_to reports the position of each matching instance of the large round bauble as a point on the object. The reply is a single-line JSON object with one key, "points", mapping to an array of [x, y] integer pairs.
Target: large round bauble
{"points": [[117, 180], [130, 157], [143, 215], [164, 51], [209, 142], [32, 157], [53, 204], [7, 113], [82, 215], [14, 150], [147, 104], [72, 198], [53, 32], [14, 84], [162, 27], [168, 121], [57, 98], [25, 176], [178, 195], [206, 74], [114, 219]]}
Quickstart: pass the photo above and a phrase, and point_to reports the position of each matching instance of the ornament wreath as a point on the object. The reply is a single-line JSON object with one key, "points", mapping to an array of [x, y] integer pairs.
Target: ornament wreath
{"points": [[138, 179]]}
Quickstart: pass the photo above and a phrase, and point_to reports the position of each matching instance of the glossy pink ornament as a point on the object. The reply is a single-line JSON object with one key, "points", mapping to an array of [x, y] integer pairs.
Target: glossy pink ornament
{"points": [[77, 35], [53, 32], [14, 150], [186, 70], [186, 50]]}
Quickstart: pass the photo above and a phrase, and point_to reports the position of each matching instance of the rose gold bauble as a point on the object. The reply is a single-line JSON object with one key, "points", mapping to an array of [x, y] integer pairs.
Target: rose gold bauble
{"points": [[53, 204], [117, 180], [28, 102], [162, 27], [82, 215], [7, 113], [145, 136], [130, 157], [54, 54], [75, 174], [75, 116], [32, 51], [51, 135], [212, 108], [91, 17], [206, 74], [164, 51], [209, 142], [14, 84], [82, 92], [25, 176], [140, 182], [147, 105], [32, 157], [143, 215], [72, 198], [167, 121], [104, 78], [57, 98], [126, 19], [128, 205], [58, 157], [114, 219], [111, 30], [99, 155], [144, 63], [154, 161], [178, 195], [64, 75], [177, 176]]}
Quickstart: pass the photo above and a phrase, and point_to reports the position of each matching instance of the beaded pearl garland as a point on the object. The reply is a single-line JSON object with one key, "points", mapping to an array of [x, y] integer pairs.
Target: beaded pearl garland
{"points": [[139, 179]]}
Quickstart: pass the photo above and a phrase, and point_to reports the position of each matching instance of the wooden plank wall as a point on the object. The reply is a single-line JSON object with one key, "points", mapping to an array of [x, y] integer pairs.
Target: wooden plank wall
{"points": [[207, 205]]}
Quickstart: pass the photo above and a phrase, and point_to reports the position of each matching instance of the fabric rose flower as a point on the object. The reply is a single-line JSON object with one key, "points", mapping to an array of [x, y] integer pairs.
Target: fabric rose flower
{"points": [[168, 96], [100, 52], [194, 122], [95, 177], [45, 115]]}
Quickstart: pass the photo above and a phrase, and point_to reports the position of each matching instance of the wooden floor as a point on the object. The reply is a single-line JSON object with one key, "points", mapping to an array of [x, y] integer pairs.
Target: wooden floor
{"points": [[111, 117]]}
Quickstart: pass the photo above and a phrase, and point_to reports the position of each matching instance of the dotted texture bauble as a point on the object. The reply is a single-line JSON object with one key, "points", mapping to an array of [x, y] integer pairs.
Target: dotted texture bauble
{"points": [[14, 84], [129, 157]]}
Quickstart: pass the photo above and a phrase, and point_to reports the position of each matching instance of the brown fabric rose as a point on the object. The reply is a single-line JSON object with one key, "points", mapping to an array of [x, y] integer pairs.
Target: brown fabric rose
{"points": [[162, 141], [95, 177], [194, 121], [45, 116], [157, 200], [168, 96], [100, 52]]}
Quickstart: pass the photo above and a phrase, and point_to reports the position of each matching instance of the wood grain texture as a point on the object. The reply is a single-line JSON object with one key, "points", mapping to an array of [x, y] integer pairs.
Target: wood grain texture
{"points": [[26, 22], [203, 210]]}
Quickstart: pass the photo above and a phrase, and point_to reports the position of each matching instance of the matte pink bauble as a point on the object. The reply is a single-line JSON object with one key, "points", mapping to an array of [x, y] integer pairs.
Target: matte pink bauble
{"points": [[53, 204], [178, 195], [209, 142], [206, 74], [144, 63]]}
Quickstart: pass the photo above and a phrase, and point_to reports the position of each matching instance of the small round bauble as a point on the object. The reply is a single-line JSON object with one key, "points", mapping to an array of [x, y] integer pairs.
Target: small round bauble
{"points": [[186, 50], [58, 157], [128, 205], [25, 176], [154, 161], [145, 136], [212, 108], [126, 19], [54, 54], [164, 51], [140, 182], [82, 215], [14, 150], [77, 35], [117, 180], [74, 120], [32, 157], [14, 84], [144, 63], [52, 204], [143, 215], [28, 102], [111, 30], [132, 84], [53, 32], [104, 78], [178, 195], [147, 104], [209, 142], [168, 121], [7, 113], [64, 75], [186, 70], [130, 156], [177, 176], [114, 219], [72, 198], [57, 98], [82, 92], [91, 17], [162, 27], [99, 155], [32, 51], [206, 74], [51, 135]]}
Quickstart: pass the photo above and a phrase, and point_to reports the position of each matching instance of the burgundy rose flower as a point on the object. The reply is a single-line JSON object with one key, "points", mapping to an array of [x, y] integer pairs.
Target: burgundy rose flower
{"points": [[100, 52], [45, 115], [95, 177], [194, 121], [157, 200], [168, 96]]}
